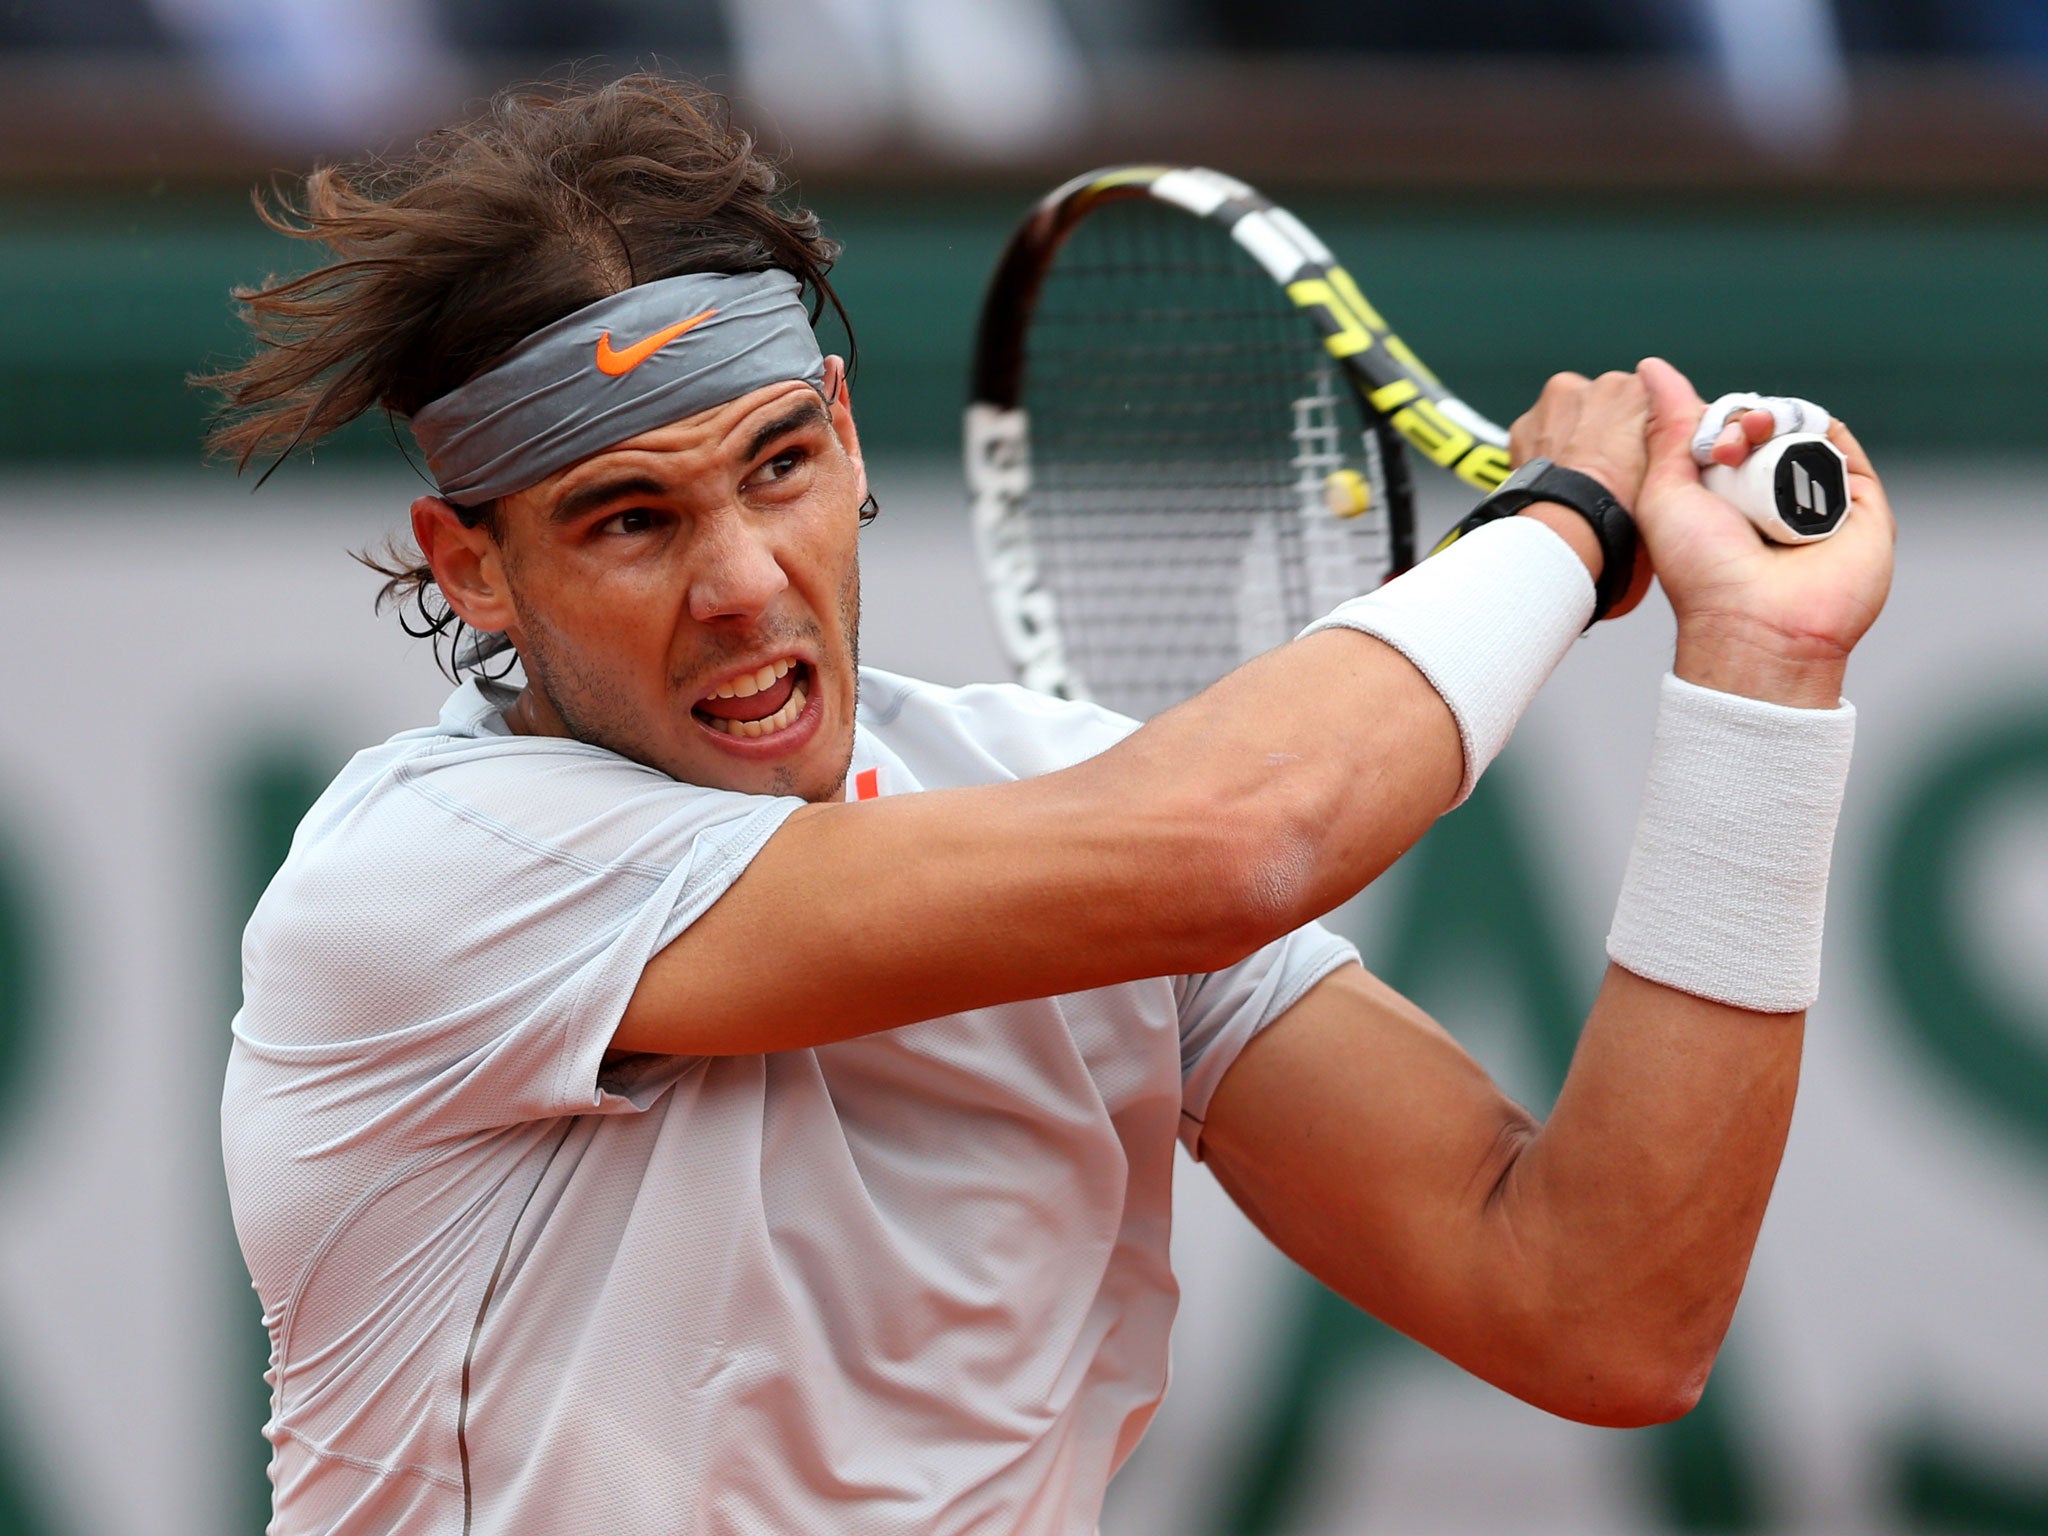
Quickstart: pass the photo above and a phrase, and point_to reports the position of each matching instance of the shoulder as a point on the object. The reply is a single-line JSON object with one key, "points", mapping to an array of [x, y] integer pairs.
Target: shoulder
{"points": [[428, 828], [441, 871], [566, 800], [1017, 732], [548, 796], [540, 797]]}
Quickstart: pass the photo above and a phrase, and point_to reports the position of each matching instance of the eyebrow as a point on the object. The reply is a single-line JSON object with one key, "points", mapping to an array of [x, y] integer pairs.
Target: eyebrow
{"points": [[808, 413], [588, 498]]}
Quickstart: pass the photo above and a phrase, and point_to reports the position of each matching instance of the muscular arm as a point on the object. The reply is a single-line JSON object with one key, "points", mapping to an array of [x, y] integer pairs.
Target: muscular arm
{"points": [[1216, 828], [1588, 1265]]}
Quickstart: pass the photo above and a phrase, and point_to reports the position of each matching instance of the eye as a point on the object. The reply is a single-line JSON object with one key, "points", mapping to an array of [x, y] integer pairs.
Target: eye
{"points": [[632, 520], [783, 465]]}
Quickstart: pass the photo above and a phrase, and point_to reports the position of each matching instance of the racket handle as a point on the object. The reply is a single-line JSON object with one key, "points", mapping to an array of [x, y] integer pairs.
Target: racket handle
{"points": [[1795, 488]]}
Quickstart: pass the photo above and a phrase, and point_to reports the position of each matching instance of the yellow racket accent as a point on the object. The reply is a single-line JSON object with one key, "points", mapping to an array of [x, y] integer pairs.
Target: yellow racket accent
{"points": [[1352, 335], [1485, 466], [1411, 362], [1349, 292], [1353, 327]]}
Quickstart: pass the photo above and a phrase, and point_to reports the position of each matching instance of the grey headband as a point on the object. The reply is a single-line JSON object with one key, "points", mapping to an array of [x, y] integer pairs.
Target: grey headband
{"points": [[614, 369]]}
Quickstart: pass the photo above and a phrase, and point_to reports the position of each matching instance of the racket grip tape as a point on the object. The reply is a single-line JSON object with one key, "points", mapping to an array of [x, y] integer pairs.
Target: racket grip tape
{"points": [[1794, 488]]}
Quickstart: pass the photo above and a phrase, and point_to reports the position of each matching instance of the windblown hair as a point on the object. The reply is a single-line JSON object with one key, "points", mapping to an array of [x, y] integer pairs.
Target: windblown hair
{"points": [[446, 258]]}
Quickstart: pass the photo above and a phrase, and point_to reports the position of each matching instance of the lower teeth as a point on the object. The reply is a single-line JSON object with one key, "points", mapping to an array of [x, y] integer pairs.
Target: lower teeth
{"points": [[768, 726]]}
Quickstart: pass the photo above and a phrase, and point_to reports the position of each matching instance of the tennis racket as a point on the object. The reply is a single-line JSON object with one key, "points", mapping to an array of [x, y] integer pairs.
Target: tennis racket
{"points": [[1188, 436]]}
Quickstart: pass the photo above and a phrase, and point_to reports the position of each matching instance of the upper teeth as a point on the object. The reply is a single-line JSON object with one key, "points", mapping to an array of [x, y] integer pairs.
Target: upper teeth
{"points": [[780, 720], [746, 687]]}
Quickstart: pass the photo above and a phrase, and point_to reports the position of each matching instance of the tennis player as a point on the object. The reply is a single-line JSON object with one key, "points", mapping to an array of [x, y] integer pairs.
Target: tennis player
{"points": [[708, 1087]]}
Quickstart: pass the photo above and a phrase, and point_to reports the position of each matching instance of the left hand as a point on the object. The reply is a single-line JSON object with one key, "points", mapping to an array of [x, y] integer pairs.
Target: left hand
{"points": [[1774, 622]]}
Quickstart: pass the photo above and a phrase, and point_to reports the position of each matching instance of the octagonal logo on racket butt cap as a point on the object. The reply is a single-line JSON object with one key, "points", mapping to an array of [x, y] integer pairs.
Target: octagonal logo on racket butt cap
{"points": [[1812, 489]]}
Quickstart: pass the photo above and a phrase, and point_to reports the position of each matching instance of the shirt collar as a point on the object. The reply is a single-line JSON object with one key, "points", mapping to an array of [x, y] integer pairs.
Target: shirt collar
{"points": [[478, 708]]}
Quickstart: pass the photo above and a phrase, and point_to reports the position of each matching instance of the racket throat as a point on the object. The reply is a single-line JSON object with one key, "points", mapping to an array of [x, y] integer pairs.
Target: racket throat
{"points": [[1025, 611]]}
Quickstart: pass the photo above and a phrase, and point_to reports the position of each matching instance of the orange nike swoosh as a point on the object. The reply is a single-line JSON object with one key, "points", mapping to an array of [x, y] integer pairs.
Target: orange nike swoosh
{"points": [[616, 363]]}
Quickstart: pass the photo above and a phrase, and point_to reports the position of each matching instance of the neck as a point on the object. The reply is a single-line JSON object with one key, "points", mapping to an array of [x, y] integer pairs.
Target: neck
{"points": [[532, 715]]}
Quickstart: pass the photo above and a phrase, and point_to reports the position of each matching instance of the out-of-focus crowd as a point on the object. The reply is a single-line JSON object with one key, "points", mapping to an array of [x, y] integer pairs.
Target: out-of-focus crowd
{"points": [[983, 78]]}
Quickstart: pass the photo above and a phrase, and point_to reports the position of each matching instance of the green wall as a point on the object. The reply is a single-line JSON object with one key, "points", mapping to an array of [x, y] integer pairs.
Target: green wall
{"points": [[1924, 324]]}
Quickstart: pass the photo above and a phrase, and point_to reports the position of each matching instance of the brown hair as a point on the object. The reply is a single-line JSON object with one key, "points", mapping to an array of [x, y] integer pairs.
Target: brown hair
{"points": [[548, 199]]}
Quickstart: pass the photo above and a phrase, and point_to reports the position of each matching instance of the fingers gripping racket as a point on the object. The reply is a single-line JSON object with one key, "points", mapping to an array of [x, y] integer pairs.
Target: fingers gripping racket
{"points": [[1795, 486]]}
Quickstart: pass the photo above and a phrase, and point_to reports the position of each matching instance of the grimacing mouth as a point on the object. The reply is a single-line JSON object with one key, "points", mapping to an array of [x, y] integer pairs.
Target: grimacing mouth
{"points": [[761, 702]]}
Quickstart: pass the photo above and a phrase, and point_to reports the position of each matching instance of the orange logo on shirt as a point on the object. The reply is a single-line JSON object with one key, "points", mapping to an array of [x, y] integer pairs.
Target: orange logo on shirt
{"points": [[616, 363]]}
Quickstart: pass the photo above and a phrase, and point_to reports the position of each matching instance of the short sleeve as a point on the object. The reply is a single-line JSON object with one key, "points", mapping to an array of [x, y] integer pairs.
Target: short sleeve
{"points": [[452, 956], [984, 733], [1222, 1010]]}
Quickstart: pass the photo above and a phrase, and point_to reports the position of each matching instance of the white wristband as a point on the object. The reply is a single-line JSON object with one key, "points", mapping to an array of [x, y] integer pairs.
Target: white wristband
{"points": [[1486, 621], [1727, 881]]}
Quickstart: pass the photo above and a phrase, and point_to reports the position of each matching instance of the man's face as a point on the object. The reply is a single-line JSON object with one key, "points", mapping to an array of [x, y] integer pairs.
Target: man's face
{"points": [[689, 598]]}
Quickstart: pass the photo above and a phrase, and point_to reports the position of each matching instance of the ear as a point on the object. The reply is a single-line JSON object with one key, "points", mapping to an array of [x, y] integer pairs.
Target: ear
{"points": [[839, 396], [468, 566]]}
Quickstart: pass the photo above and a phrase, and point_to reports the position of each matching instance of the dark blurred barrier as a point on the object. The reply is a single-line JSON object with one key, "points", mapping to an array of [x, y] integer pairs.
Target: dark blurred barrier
{"points": [[1329, 119]]}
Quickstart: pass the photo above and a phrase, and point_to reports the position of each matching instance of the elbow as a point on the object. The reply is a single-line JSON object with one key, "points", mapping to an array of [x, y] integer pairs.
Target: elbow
{"points": [[1249, 878], [1631, 1394], [1645, 1404], [1624, 1354]]}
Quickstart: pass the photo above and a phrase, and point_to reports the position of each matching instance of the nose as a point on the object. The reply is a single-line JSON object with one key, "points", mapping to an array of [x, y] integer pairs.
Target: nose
{"points": [[737, 570]]}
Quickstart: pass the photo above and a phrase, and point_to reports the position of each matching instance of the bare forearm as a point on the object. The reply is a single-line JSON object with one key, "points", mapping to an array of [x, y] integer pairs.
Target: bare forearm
{"points": [[1336, 753], [1590, 1265], [1634, 1211], [1317, 766]]}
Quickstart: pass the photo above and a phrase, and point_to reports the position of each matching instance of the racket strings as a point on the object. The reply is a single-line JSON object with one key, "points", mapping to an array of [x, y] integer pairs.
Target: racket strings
{"points": [[1188, 436]]}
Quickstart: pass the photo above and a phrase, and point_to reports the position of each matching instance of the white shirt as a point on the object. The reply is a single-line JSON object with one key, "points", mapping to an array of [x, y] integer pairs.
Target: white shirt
{"points": [[915, 1282]]}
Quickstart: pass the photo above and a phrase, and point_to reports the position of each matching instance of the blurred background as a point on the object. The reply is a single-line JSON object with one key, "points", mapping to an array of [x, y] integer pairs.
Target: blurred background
{"points": [[1846, 199]]}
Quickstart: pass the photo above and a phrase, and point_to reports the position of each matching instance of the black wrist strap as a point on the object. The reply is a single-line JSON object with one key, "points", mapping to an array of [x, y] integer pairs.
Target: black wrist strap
{"points": [[1541, 480]]}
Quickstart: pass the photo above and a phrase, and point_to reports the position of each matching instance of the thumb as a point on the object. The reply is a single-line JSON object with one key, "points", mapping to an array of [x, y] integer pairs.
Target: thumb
{"points": [[1674, 414]]}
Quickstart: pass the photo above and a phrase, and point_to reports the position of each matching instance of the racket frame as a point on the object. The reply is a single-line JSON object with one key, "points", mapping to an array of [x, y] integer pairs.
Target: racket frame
{"points": [[1400, 400]]}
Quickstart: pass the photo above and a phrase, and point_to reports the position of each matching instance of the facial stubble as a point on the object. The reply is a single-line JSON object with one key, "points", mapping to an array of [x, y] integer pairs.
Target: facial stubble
{"points": [[595, 710]]}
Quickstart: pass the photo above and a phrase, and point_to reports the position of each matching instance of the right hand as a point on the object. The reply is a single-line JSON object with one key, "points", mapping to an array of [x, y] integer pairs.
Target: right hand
{"points": [[1597, 427]]}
